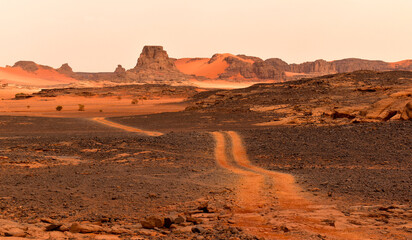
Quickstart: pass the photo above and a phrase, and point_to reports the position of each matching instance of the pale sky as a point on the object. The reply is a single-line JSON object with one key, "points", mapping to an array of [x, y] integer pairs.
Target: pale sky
{"points": [[96, 35]]}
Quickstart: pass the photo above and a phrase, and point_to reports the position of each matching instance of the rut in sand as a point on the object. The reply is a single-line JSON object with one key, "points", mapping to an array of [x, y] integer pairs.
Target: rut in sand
{"points": [[271, 205], [126, 128]]}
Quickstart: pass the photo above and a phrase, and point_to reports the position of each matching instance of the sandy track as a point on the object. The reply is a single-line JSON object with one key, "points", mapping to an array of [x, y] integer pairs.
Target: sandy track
{"points": [[271, 205], [126, 128]]}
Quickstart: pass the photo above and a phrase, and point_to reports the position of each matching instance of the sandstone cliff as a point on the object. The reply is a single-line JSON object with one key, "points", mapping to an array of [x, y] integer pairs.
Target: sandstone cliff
{"points": [[154, 58], [155, 66]]}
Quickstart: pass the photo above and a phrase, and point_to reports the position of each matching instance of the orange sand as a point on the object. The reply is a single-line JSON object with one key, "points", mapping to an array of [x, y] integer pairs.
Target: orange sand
{"points": [[222, 84], [41, 77], [202, 67], [110, 106], [403, 64]]}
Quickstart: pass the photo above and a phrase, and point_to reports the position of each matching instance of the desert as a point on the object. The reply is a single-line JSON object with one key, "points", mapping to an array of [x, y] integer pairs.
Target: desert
{"points": [[231, 120], [323, 157]]}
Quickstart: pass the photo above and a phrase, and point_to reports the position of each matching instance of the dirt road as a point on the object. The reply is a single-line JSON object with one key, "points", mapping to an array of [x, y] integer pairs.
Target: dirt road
{"points": [[126, 128], [271, 205]]}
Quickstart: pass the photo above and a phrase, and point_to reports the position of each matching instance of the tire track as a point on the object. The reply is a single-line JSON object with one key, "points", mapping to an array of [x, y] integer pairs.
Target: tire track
{"points": [[126, 128], [271, 205]]}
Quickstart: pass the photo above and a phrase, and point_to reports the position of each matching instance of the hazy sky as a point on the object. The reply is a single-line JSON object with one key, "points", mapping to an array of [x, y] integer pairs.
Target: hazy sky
{"points": [[96, 35]]}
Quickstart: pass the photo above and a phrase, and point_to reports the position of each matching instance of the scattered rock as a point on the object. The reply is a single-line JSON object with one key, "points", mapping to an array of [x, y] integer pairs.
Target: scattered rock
{"points": [[85, 228], [194, 220], [198, 229], [15, 232], [152, 222], [407, 112], [53, 227]]}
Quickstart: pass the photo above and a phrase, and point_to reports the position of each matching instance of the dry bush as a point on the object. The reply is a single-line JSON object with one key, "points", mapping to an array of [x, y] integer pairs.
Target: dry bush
{"points": [[81, 107]]}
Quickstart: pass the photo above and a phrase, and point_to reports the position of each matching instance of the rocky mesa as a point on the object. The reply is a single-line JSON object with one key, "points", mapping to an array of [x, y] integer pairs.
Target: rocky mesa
{"points": [[155, 66]]}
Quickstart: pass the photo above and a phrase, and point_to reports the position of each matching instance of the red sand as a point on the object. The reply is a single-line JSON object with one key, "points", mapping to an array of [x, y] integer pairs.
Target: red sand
{"points": [[202, 67], [41, 77], [110, 106], [404, 64]]}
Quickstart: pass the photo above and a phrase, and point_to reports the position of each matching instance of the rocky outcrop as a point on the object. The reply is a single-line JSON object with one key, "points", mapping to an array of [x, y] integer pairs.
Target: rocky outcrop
{"points": [[154, 58], [278, 64], [155, 66], [120, 71], [252, 68], [313, 67], [28, 66], [406, 113], [355, 64], [65, 69]]}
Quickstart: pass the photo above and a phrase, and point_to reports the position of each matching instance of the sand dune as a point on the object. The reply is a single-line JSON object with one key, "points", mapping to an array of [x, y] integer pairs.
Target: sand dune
{"points": [[401, 64], [40, 77], [204, 67]]}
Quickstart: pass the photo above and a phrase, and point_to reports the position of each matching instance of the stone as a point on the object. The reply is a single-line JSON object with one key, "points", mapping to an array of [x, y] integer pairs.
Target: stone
{"points": [[203, 206], [152, 222], [85, 228], [15, 232], [194, 220], [53, 227], [407, 112], [198, 229]]}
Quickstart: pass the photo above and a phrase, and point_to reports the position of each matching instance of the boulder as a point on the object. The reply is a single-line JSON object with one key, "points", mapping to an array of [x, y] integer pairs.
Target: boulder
{"points": [[85, 228], [14, 232], [406, 113], [152, 222]]}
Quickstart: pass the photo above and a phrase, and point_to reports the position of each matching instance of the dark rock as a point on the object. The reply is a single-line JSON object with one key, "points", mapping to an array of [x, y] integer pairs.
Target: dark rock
{"points": [[198, 229], [53, 227]]}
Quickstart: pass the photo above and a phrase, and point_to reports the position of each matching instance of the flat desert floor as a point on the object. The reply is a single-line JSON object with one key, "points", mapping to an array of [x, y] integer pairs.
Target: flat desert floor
{"points": [[154, 171]]}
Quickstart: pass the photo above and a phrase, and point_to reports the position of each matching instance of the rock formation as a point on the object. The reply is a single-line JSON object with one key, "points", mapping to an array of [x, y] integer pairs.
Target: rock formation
{"points": [[120, 71], [28, 66], [154, 58], [406, 113], [65, 69], [155, 66]]}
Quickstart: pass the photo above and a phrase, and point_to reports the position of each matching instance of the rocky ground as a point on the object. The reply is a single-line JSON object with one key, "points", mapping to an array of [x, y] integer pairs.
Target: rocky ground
{"points": [[363, 96], [141, 92], [79, 176], [323, 173]]}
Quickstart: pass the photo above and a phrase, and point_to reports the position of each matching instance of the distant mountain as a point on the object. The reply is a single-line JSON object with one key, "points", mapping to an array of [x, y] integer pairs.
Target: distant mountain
{"points": [[246, 67], [155, 66]]}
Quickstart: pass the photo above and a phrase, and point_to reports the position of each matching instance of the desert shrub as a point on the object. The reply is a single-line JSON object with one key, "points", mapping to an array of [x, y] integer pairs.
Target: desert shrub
{"points": [[59, 108], [119, 97], [81, 107], [135, 101], [28, 106], [100, 110]]}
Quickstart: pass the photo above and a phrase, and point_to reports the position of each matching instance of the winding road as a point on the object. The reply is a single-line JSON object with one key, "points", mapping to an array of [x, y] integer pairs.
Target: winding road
{"points": [[271, 205]]}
